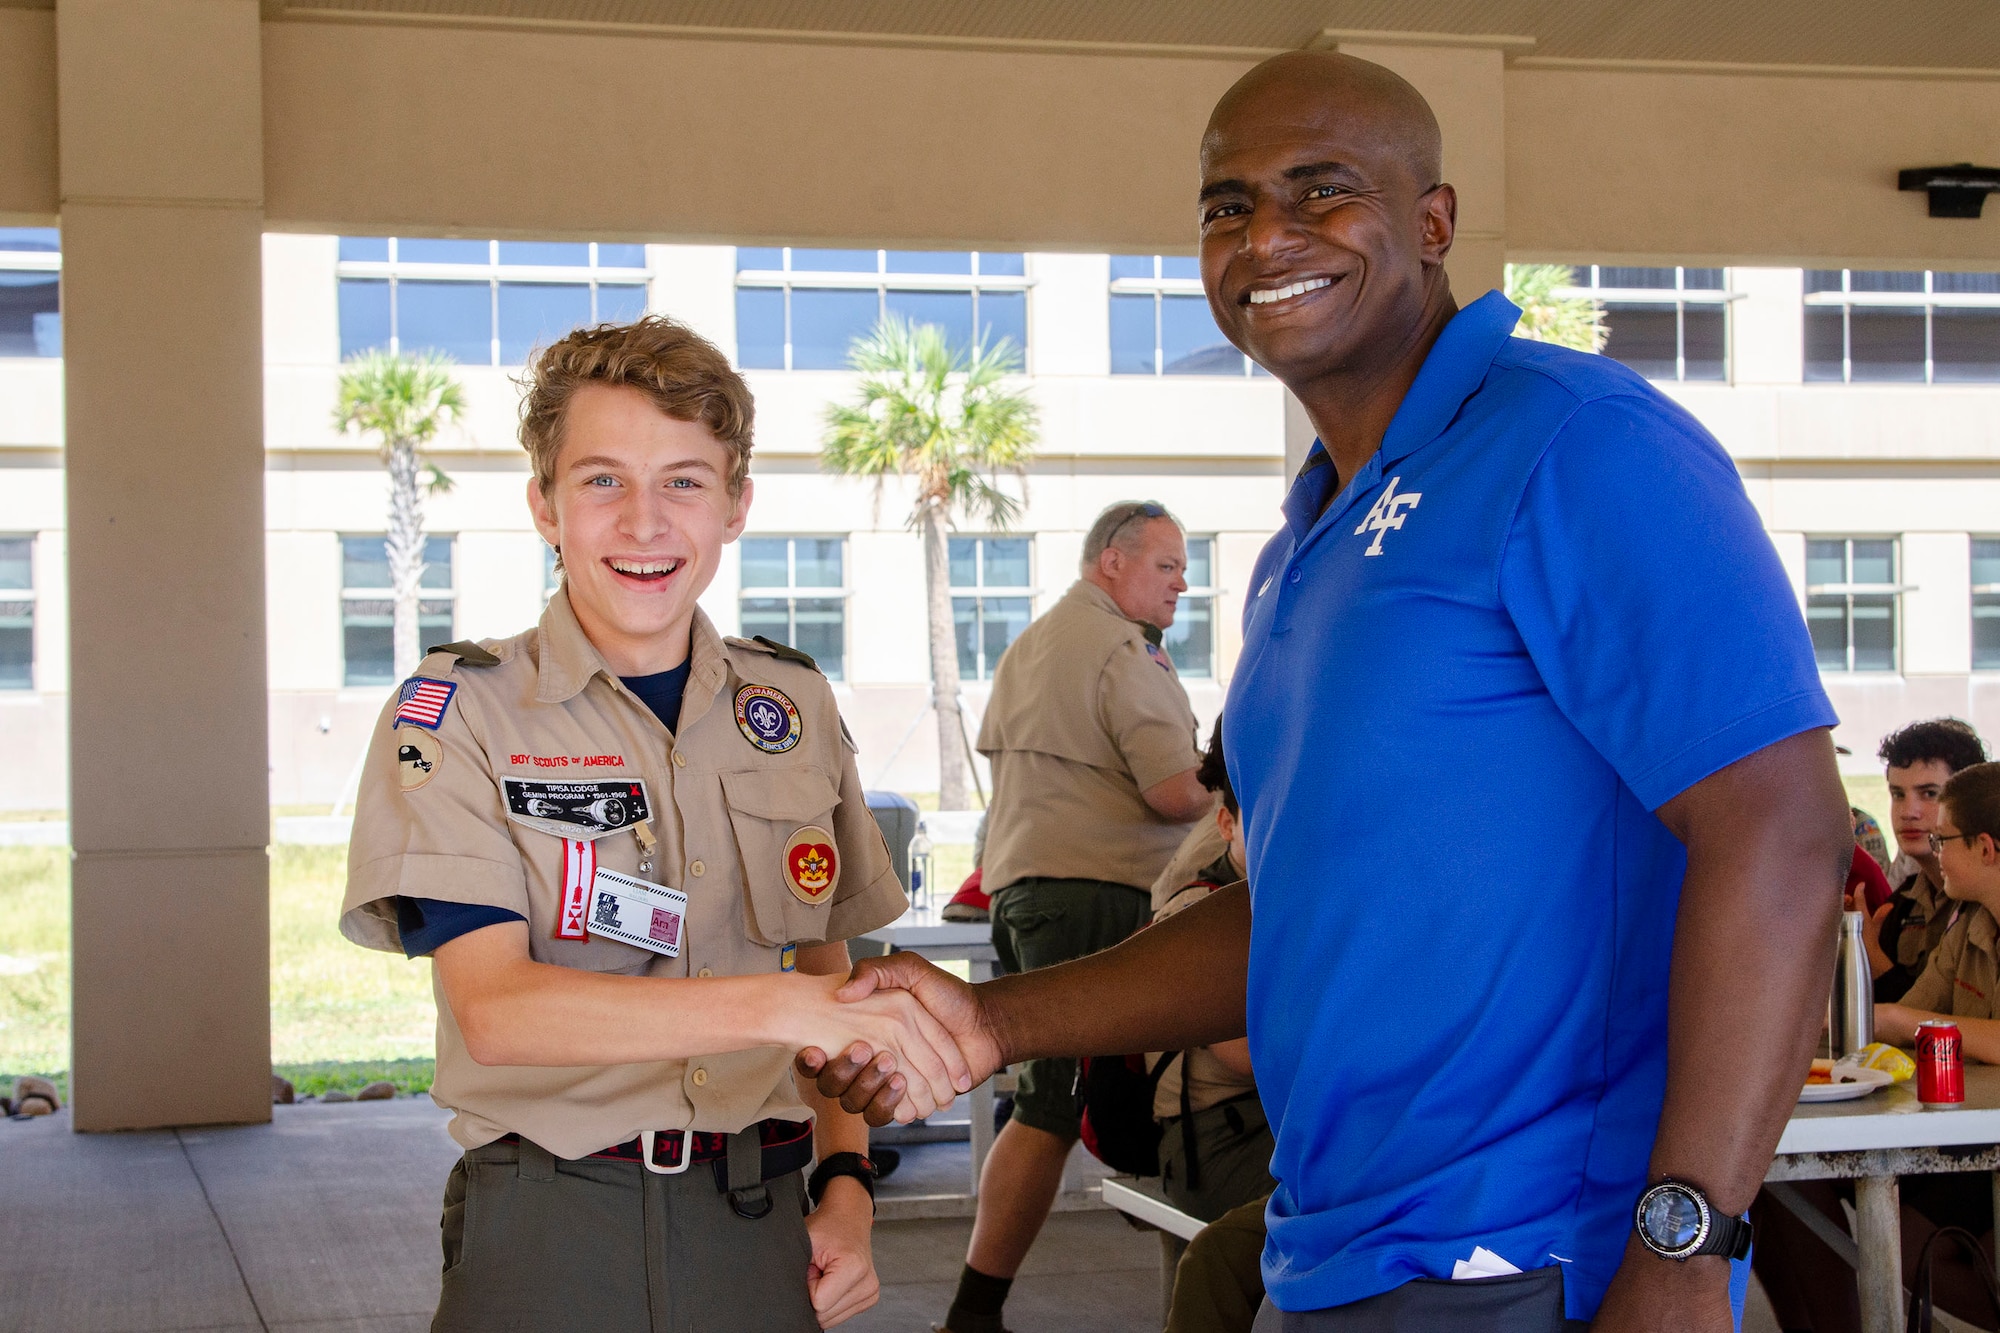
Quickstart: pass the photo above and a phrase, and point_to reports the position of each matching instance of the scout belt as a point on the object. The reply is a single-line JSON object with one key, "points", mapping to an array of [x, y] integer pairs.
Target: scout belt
{"points": [[787, 1146]]}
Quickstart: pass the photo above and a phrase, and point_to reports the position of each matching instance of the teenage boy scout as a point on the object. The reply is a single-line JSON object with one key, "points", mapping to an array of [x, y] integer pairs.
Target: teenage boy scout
{"points": [[633, 848]]}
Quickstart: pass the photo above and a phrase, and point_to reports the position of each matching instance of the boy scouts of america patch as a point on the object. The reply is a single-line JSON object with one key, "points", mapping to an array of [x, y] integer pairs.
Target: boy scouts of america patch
{"points": [[812, 867], [422, 702], [767, 718], [417, 756]]}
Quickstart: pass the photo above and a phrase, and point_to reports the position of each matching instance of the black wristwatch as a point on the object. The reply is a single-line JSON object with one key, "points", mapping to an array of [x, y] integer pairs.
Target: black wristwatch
{"points": [[842, 1164], [1676, 1221]]}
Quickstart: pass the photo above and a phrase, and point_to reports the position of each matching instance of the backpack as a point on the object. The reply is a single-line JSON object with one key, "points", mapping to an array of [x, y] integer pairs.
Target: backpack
{"points": [[1114, 1100]]}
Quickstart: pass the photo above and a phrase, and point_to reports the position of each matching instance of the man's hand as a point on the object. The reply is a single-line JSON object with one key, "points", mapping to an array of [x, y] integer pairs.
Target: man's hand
{"points": [[1655, 1295], [871, 1085], [841, 1277], [844, 1013]]}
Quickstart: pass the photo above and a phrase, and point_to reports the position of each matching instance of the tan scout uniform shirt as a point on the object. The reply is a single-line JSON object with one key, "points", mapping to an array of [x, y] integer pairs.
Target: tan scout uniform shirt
{"points": [[1179, 887], [725, 812], [1962, 978], [1087, 712], [1930, 916]]}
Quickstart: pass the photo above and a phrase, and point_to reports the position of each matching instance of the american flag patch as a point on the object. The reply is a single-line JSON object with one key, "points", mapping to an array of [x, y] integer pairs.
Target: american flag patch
{"points": [[423, 701]]}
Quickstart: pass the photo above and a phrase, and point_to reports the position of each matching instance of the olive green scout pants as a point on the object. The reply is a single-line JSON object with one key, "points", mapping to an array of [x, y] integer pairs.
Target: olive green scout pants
{"points": [[539, 1244]]}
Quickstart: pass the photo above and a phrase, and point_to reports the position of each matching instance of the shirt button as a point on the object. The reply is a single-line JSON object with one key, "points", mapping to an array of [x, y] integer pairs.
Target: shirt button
{"points": [[697, 869], [680, 760], [706, 972], [701, 1078], [1296, 576]]}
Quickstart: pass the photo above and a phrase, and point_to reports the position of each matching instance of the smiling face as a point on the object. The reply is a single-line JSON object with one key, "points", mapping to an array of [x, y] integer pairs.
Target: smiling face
{"points": [[640, 506], [1970, 862], [1323, 225]]}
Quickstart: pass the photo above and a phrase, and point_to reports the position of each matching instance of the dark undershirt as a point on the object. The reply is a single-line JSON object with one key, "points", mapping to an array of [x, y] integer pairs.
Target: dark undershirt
{"points": [[427, 923]]}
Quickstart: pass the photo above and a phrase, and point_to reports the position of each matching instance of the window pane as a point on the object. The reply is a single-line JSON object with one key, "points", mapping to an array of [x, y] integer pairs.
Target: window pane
{"points": [[434, 625], [1874, 634], [1883, 280], [965, 630], [17, 646], [535, 314], [1180, 266], [764, 562], [567, 254], [1702, 340], [1874, 561], [1965, 344], [30, 322], [1986, 633], [821, 633], [767, 257], [1885, 344], [1131, 266], [1001, 621], [1825, 344], [417, 250], [950, 311], [42, 240], [817, 560], [833, 261], [1826, 618], [1702, 279], [1002, 264], [1826, 562], [1132, 335], [364, 562], [1190, 640], [620, 302], [437, 563], [962, 553], [455, 318], [17, 568], [1190, 344], [1004, 315], [368, 642], [623, 256], [364, 315], [928, 261], [768, 616], [1200, 570], [760, 328], [1823, 279], [1985, 563], [825, 324], [365, 249], [1006, 562], [1642, 337], [1966, 282], [1612, 275]]}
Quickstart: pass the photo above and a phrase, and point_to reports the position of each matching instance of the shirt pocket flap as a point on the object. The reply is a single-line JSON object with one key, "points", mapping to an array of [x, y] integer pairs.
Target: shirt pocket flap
{"points": [[783, 820], [779, 794]]}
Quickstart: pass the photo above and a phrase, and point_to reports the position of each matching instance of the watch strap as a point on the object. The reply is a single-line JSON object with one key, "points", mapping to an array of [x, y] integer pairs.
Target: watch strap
{"points": [[851, 1164], [1727, 1236]]}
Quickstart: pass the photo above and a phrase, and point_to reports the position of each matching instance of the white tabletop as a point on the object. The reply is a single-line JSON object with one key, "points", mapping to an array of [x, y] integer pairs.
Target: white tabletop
{"points": [[1892, 1118], [922, 928]]}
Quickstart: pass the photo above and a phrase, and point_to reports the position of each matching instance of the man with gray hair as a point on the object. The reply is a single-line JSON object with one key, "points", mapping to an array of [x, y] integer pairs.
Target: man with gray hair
{"points": [[1093, 749]]}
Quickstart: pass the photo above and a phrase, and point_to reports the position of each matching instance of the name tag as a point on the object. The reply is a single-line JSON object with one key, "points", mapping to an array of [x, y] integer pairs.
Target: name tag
{"points": [[631, 911]]}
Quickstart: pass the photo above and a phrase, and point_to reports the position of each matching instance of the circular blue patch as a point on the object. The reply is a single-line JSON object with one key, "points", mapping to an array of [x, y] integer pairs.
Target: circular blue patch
{"points": [[767, 719]]}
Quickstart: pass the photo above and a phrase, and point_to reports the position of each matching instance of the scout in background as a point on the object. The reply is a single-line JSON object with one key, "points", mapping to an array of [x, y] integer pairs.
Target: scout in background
{"points": [[634, 850]]}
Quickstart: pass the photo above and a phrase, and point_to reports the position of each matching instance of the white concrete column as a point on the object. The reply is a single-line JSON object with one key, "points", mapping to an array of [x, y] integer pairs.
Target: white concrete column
{"points": [[1937, 611], [161, 167]]}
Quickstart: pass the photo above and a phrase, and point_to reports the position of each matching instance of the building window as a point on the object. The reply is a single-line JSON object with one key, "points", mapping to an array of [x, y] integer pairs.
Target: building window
{"points": [[795, 592], [482, 303], [1160, 322], [800, 309], [1190, 640], [17, 613], [1866, 326], [992, 599], [551, 575], [1986, 603], [1665, 323], [30, 276], [1851, 602], [368, 606]]}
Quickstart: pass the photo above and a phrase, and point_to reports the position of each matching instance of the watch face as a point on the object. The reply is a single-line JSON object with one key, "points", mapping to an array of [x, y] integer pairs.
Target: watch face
{"points": [[1672, 1219]]}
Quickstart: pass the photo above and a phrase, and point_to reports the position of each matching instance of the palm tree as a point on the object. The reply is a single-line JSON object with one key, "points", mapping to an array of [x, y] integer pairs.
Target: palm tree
{"points": [[948, 420], [1548, 315], [403, 400]]}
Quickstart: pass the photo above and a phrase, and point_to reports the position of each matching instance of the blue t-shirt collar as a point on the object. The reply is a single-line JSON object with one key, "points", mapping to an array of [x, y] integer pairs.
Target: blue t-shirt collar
{"points": [[1452, 372]]}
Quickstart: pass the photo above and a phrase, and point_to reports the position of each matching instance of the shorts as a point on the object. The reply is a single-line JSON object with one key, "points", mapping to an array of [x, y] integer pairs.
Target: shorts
{"points": [[1041, 922]]}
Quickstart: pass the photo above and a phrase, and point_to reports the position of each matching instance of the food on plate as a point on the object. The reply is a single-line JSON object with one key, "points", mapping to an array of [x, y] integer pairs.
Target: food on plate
{"points": [[1821, 1072]]}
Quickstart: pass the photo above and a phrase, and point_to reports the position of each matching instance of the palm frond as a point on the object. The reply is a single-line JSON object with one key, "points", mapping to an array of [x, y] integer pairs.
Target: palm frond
{"points": [[1551, 315]]}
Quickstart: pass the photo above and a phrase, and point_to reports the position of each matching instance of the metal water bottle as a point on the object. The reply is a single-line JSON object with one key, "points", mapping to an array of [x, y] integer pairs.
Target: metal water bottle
{"points": [[920, 865], [1853, 1017]]}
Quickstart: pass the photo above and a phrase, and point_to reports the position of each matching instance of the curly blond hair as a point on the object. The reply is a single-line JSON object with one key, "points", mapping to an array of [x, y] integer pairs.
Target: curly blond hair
{"points": [[683, 373]]}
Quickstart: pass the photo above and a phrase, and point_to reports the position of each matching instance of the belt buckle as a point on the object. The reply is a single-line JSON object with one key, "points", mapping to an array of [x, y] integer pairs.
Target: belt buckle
{"points": [[646, 1137]]}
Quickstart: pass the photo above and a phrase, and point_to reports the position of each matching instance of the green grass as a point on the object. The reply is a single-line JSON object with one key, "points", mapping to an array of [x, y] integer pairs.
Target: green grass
{"points": [[321, 1077], [34, 961]]}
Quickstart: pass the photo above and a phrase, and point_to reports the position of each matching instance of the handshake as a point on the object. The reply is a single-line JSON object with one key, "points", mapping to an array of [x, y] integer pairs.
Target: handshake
{"points": [[897, 1039]]}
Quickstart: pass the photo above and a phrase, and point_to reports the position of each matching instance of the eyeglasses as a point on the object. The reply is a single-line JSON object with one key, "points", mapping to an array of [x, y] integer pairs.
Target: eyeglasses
{"points": [[1938, 840]]}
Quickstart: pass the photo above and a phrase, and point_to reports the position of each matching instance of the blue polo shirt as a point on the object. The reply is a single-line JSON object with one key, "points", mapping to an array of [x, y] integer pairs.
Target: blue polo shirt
{"points": [[1543, 609]]}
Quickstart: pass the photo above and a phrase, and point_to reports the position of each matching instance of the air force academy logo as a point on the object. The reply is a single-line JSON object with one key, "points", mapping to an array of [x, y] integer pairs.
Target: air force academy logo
{"points": [[1386, 513]]}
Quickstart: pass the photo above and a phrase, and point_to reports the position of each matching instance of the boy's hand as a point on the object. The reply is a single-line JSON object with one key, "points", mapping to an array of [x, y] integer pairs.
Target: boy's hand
{"points": [[841, 1277]]}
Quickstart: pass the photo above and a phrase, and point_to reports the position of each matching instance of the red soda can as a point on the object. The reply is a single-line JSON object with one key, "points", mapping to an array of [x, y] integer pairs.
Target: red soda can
{"points": [[1940, 1066]]}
